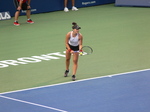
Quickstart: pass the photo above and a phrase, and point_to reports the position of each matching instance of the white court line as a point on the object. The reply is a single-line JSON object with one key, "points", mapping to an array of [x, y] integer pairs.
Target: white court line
{"points": [[125, 73], [32, 103]]}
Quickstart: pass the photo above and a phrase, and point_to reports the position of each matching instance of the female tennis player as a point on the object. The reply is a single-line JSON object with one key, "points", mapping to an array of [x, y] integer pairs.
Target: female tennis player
{"points": [[73, 42]]}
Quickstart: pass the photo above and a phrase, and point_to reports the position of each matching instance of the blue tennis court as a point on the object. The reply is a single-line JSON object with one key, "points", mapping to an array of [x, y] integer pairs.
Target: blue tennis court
{"points": [[124, 92]]}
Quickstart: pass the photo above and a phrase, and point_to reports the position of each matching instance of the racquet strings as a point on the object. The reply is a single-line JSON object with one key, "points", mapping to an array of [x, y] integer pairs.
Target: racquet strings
{"points": [[87, 50]]}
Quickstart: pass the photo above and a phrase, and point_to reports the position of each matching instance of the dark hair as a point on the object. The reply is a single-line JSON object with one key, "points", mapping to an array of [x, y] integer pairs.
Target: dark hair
{"points": [[75, 26]]}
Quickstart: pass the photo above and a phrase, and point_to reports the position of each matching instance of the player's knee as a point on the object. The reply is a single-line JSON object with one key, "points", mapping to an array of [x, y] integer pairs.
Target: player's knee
{"points": [[75, 61], [67, 59]]}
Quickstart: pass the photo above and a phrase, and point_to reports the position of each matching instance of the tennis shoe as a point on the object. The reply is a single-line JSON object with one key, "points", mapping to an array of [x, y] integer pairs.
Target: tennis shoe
{"points": [[73, 77], [66, 73], [74, 8], [16, 23], [66, 9], [30, 21]]}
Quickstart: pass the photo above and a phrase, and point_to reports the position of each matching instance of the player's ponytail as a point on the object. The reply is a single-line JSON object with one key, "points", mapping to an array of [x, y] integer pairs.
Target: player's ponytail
{"points": [[74, 25]]}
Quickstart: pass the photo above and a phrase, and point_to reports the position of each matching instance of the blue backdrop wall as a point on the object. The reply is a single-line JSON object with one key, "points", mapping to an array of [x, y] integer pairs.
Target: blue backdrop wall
{"points": [[40, 6]]}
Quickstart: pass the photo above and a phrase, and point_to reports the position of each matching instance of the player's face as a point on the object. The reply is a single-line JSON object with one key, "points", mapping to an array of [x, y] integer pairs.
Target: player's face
{"points": [[76, 30]]}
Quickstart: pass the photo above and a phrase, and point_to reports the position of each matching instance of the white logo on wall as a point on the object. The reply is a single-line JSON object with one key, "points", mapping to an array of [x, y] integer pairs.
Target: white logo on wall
{"points": [[88, 3], [4, 15], [32, 10]]}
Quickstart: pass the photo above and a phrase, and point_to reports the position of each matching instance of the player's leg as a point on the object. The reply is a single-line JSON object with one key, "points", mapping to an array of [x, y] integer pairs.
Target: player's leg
{"points": [[65, 3], [73, 6], [68, 56], [28, 12], [75, 64], [17, 13], [65, 6]]}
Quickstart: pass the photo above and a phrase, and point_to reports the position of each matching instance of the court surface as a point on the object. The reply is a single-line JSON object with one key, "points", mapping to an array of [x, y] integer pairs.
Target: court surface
{"points": [[119, 37], [126, 92], [32, 56]]}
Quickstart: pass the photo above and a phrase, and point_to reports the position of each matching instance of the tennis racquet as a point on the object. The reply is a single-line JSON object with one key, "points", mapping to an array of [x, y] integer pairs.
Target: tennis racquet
{"points": [[86, 50]]}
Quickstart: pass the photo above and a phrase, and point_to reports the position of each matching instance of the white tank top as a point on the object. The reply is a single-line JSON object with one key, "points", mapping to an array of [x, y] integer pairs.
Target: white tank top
{"points": [[74, 41]]}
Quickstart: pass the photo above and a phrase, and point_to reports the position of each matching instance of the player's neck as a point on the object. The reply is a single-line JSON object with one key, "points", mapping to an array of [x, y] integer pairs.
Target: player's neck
{"points": [[74, 33]]}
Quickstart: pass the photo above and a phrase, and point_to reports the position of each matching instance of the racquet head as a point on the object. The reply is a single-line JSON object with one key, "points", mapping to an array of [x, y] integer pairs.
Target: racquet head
{"points": [[87, 50]]}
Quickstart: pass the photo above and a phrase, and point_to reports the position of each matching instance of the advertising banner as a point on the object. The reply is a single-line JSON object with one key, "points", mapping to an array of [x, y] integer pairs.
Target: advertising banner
{"points": [[41, 6], [4, 15]]}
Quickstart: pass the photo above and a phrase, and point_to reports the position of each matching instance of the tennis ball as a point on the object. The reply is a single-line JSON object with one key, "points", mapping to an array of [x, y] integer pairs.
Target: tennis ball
{"points": [[80, 53]]}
